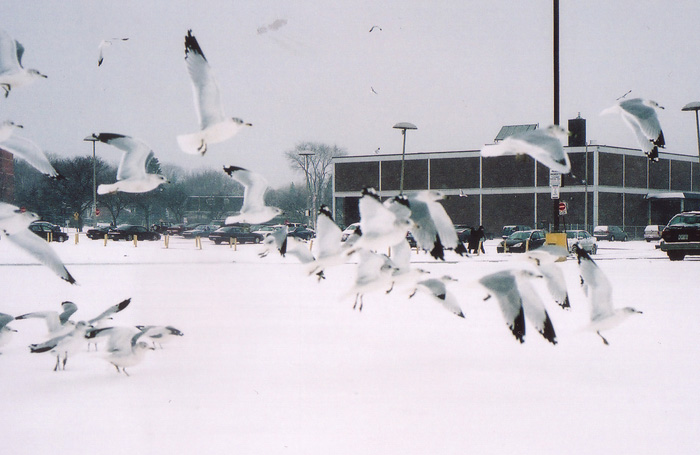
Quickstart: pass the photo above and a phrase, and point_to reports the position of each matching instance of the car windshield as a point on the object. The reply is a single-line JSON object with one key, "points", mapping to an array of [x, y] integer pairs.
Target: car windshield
{"points": [[520, 235], [123, 226], [686, 219], [601, 229], [570, 234]]}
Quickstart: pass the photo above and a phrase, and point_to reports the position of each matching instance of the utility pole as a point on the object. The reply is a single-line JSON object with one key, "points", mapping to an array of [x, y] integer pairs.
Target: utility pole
{"points": [[555, 11]]}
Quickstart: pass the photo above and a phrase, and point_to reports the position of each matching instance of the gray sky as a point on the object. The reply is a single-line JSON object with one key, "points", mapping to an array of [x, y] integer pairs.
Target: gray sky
{"points": [[459, 70]]}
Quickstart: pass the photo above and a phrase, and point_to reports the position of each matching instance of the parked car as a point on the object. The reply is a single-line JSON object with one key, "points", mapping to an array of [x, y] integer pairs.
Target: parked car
{"points": [[202, 230], [266, 230], [463, 232], [302, 233], [520, 241], [48, 231], [131, 231], [177, 229], [681, 236], [611, 233], [98, 232], [509, 229], [241, 234], [653, 232], [583, 239]]}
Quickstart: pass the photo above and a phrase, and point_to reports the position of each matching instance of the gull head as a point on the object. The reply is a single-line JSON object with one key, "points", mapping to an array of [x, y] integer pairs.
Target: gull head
{"points": [[630, 311], [651, 103], [35, 73], [238, 121]]}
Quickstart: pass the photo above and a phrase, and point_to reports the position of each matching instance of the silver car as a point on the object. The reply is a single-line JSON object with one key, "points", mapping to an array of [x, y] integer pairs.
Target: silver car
{"points": [[584, 240]]}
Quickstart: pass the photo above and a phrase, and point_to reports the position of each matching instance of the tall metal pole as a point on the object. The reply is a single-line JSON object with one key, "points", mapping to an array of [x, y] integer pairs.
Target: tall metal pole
{"points": [[555, 202], [403, 161], [94, 183], [697, 130]]}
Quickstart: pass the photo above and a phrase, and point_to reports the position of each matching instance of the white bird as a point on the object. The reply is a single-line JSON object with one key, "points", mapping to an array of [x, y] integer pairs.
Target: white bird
{"points": [[544, 145], [598, 289], [436, 288], [63, 345], [55, 322], [98, 320], [328, 244], [518, 300], [30, 152], [374, 272], [14, 225], [546, 258], [640, 115], [161, 334], [5, 330], [105, 43], [132, 174], [432, 227], [254, 210], [12, 73], [123, 346], [380, 227], [6, 129], [213, 124], [276, 240]]}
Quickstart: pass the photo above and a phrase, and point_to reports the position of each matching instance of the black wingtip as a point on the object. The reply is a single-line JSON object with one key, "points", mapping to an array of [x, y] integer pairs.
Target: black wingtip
{"points": [[35, 350], [368, 191], [461, 250], [231, 169], [69, 278], [123, 304], [106, 137], [58, 176], [518, 327], [566, 304], [438, 251], [325, 210], [283, 248], [191, 45], [548, 331]]}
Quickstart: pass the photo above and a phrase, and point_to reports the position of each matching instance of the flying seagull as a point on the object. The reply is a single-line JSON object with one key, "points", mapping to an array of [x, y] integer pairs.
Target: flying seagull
{"points": [[55, 322], [544, 145], [276, 240], [104, 43], [14, 225], [31, 153], [435, 287], [213, 124], [12, 73], [546, 258], [518, 301], [375, 27], [598, 289], [63, 345], [132, 175], [161, 334], [640, 115], [380, 226], [254, 210], [6, 129]]}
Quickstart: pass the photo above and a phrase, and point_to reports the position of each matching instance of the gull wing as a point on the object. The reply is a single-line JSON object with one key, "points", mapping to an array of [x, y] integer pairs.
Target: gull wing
{"points": [[328, 234], [255, 186], [41, 250], [111, 310], [596, 285], [504, 289], [135, 157], [8, 53], [5, 319], [31, 153], [207, 99]]}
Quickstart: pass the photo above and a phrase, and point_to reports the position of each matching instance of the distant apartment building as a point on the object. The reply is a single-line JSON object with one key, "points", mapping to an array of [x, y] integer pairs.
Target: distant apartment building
{"points": [[7, 177]]}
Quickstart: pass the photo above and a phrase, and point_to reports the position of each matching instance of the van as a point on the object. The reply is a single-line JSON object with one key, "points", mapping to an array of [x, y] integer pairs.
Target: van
{"points": [[653, 232]]}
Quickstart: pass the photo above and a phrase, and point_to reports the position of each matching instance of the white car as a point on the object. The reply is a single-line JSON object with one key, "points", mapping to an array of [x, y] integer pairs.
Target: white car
{"points": [[348, 231], [266, 230], [584, 240], [653, 232]]}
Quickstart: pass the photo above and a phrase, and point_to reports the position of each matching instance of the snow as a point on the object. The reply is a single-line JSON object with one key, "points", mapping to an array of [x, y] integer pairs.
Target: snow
{"points": [[273, 362]]}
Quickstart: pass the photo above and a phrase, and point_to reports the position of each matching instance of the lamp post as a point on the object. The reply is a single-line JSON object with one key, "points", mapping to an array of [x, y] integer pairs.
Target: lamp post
{"points": [[306, 154], [403, 126], [94, 173], [694, 106]]}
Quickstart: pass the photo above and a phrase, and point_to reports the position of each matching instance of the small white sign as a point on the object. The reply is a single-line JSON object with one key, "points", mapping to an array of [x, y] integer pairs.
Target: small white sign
{"points": [[555, 192], [554, 178]]}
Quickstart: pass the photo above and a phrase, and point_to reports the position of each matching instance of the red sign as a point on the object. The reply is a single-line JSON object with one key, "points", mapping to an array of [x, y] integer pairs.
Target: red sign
{"points": [[97, 211], [562, 208]]}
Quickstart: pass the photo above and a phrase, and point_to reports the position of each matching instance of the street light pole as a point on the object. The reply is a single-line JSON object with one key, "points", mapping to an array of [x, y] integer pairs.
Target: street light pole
{"points": [[306, 154], [403, 126], [94, 175], [695, 106]]}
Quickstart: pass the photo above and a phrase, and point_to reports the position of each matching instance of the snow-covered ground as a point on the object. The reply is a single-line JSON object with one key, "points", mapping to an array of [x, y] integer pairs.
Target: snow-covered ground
{"points": [[273, 362]]}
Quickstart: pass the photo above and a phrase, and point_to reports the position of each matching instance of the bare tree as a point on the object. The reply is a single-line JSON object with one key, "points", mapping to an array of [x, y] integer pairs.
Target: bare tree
{"points": [[315, 160]]}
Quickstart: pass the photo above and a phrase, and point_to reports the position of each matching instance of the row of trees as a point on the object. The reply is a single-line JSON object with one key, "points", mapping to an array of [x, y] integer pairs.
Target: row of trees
{"points": [[200, 195]]}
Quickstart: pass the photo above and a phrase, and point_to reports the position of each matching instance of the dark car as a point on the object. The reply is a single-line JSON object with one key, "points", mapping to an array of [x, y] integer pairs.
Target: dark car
{"points": [[302, 233], [97, 233], [681, 236], [239, 233], [202, 230], [463, 232], [509, 229], [521, 241], [131, 231], [161, 227], [177, 229], [48, 231], [611, 233]]}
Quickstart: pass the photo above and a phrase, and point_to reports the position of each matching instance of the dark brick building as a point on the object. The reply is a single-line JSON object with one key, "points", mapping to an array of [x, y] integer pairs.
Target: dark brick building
{"points": [[614, 185], [7, 177]]}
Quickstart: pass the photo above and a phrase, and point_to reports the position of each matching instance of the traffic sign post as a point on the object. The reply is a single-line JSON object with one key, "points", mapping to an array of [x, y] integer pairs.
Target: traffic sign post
{"points": [[562, 208]]}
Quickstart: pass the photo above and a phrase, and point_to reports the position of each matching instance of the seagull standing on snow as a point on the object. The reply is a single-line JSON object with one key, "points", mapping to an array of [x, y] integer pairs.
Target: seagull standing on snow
{"points": [[123, 346], [640, 115], [597, 288], [161, 334], [544, 145], [5, 330], [518, 300], [31, 153], [254, 210], [63, 345], [104, 43], [14, 225], [12, 73], [213, 124], [132, 175]]}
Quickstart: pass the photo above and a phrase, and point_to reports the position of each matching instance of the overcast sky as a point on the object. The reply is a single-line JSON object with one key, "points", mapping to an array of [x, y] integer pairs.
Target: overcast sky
{"points": [[459, 70]]}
